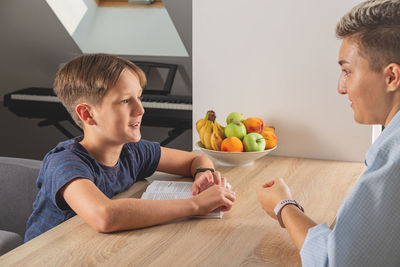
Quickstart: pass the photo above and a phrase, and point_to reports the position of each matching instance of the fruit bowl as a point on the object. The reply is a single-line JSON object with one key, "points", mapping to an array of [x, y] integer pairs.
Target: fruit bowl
{"points": [[234, 158]]}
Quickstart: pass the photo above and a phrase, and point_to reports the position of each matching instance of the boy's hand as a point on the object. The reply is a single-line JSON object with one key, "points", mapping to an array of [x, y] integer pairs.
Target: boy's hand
{"points": [[271, 193], [204, 180], [214, 197]]}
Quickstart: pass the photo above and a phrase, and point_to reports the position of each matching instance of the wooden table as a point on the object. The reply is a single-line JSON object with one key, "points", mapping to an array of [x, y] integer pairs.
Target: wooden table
{"points": [[245, 236]]}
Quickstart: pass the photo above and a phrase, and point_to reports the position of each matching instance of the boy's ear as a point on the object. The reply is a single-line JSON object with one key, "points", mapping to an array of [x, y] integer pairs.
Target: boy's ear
{"points": [[392, 73], [85, 113]]}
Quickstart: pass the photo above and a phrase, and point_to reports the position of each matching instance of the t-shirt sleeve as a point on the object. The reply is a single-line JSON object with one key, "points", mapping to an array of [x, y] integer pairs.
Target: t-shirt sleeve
{"points": [[62, 168], [146, 156]]}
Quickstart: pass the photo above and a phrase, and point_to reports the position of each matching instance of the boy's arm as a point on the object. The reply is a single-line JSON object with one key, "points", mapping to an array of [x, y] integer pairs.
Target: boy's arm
{"points": [[185, 164], [106, 215], [182, 162]]}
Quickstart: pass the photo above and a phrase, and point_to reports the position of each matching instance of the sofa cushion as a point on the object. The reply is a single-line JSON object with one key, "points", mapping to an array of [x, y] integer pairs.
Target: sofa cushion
{"points": [[17, 192], [9, 241]]}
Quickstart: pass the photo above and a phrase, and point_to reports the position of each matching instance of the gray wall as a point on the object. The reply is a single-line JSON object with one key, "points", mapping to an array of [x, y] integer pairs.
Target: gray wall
{"points": [[33, 45]]}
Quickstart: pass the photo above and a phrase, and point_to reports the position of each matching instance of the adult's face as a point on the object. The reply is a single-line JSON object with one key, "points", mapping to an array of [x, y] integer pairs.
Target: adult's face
{"points": [[366, 89]]}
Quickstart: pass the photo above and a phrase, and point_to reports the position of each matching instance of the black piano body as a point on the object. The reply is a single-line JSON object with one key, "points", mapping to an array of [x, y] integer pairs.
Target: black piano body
{"points": [[160, 110]]}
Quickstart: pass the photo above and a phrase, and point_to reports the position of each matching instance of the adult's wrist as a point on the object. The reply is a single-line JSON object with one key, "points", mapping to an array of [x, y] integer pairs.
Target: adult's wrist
{"points": [[281, 206]]}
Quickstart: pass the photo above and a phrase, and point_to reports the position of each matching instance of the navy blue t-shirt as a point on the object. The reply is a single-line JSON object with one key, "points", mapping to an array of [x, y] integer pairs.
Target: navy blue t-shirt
{"points": [[70, 160]]}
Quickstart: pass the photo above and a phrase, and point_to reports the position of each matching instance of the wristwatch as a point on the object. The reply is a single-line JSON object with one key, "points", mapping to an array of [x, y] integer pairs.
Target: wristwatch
{"points": [[283, 203], [202, 170]]}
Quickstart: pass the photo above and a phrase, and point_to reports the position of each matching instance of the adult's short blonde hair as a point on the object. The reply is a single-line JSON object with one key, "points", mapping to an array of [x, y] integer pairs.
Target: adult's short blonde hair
{"points": [[88, 78], [375, 26]]}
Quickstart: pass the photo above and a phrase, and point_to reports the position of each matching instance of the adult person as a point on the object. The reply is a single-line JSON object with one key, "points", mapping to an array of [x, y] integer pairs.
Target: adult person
{"points": [[367, 227]]}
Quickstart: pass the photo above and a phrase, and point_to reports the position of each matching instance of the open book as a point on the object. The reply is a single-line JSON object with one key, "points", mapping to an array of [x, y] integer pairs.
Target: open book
{"points": [[163, 190]]}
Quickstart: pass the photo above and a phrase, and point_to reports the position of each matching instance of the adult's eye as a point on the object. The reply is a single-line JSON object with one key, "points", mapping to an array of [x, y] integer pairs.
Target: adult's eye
{"points": [[346, 72]]}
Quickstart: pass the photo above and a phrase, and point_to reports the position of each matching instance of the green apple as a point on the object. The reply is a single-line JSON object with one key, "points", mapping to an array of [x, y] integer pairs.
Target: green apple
{"points": [[254, 142], [236, 129], [234, 116]]}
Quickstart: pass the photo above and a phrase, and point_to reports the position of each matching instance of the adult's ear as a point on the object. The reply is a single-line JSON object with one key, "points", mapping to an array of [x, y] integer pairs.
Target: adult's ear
{"points": [[85, 113], [392, 73]]}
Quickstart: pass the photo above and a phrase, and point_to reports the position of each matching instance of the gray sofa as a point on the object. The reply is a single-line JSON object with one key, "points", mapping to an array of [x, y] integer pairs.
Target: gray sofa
{"points": [[17, 193]]}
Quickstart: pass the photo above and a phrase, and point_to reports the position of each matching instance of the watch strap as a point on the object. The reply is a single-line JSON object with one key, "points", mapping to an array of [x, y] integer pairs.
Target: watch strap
{"points": [[202, 170], [283, 203]]}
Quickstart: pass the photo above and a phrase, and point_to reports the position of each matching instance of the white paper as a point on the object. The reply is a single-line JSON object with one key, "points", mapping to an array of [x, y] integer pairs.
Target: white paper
{"points": [[169, 186], [165, 190]]}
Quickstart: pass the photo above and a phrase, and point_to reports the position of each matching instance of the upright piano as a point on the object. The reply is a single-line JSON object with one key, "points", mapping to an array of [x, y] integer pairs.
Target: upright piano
{"points": [[161, 108]]}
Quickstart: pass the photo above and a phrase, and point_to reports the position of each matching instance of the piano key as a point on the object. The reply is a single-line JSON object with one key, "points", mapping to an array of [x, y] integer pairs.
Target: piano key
{"points": [[167, 105], [146, 104], [39, 98]]}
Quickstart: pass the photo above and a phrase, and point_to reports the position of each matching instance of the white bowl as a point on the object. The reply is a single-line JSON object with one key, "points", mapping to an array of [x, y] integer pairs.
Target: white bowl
{"points": [[234, 158]]}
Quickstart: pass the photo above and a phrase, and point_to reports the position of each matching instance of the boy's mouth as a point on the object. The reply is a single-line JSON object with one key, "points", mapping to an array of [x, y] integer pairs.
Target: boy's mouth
{"points": [[135, 124]]}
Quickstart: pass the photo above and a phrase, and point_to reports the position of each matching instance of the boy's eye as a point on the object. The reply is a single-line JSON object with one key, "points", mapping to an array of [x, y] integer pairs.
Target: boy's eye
{"points": [[125, 101]]}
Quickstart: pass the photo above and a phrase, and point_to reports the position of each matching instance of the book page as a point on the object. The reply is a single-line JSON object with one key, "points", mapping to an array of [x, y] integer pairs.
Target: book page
{"points": [[166, 195], [169, 186], [165, 190]]}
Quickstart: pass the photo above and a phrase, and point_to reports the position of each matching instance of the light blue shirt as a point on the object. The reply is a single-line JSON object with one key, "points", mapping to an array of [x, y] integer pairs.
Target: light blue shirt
{"points": [[367, 231]]}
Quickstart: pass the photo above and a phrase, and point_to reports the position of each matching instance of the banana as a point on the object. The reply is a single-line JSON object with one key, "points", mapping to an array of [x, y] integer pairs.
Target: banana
{"points": [[200, 123], [220, 130], [206, 134], [210, 132], [216, 138]]}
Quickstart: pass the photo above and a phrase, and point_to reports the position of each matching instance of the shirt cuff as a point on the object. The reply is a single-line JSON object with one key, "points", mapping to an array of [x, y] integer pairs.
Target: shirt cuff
{"points": [[315, 247]]}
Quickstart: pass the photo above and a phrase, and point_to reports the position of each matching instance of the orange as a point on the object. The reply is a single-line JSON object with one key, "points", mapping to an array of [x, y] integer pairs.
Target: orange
{"points": [[268, 129], [270, 139], [254, 125], [232, 144]]}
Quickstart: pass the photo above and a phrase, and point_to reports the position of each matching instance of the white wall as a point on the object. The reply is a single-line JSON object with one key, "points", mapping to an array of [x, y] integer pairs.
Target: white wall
{"points": [[277, 60]]}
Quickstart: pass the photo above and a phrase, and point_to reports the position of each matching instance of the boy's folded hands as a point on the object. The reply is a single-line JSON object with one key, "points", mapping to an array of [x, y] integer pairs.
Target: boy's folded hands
{"points": [[212, 191], [214, 197], [206, 179]]}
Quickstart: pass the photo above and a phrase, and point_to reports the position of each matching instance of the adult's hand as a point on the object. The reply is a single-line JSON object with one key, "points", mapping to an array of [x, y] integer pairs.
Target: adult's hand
{"points": [[271, 193]]}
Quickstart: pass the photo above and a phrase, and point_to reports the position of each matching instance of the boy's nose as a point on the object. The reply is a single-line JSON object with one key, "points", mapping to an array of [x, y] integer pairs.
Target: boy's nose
{"points": [[138, 109]]}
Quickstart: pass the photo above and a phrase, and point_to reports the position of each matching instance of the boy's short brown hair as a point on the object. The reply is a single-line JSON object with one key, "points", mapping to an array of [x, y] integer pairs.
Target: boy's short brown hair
{"points": [[375, 26], [87, 78]]}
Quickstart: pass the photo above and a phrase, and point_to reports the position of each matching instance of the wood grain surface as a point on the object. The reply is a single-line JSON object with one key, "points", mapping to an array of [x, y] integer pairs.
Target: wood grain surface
{"points": [[245, 236]]}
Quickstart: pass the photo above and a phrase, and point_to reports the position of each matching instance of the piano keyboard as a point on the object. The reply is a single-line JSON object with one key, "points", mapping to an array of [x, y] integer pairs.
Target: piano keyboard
{"points": [[162, 102], [161, 110]]}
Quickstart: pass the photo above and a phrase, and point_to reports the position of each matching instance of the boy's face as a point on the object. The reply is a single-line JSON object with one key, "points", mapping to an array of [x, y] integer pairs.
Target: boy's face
{"points": [[120, 113], [365, 88]]}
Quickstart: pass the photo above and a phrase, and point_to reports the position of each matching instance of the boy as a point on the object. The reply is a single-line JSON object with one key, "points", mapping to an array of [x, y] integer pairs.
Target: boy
{"points": [[367, 225], [102, 93]]}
